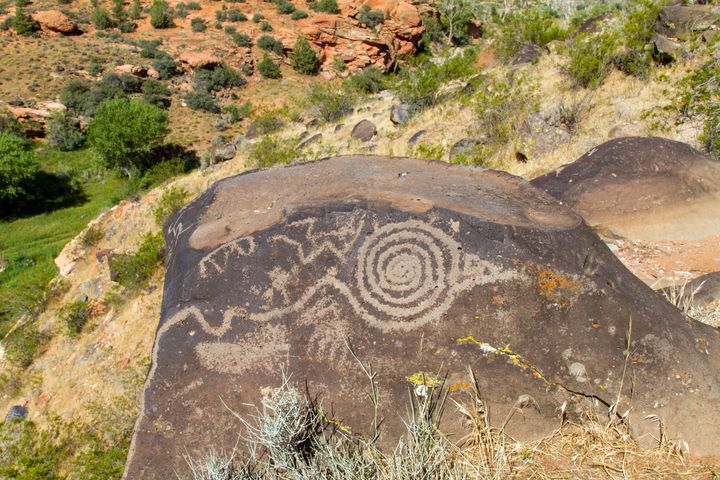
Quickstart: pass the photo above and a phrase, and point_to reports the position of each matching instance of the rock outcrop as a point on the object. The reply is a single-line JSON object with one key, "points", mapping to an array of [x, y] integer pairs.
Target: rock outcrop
{"points": [[56, 21], [426, 269], [642, 188]]}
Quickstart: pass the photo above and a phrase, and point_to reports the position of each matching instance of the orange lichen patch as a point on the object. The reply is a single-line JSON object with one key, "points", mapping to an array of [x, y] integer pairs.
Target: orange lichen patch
{"points": [[459, 386], [553, 286]]}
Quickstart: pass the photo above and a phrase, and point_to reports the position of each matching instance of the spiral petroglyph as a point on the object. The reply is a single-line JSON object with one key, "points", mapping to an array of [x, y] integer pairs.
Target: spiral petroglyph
{"points": [[405, 269]]}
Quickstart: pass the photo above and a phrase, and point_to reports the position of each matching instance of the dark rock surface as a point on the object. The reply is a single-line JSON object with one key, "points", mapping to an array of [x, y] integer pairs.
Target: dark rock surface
{"points": [[364, 131], [642, 188], [528, 53], [425, 268], [309, 141], [416, 136], [463, 147], [400, 113], [678, 21]]}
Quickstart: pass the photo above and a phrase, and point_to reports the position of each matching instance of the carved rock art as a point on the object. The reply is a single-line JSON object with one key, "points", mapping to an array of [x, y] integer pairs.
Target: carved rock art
{"points": [[422, 267]]}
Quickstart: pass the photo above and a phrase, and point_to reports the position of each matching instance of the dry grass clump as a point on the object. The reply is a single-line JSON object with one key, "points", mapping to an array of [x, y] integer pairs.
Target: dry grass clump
{"points": [[291, 438], [683, 297]]}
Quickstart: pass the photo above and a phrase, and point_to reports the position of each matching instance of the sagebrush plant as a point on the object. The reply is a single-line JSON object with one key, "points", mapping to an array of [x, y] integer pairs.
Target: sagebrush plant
{"points": [[134, 270], [538, 25], [171, 200], [422, 85], [700, 97], [18, 167], [272, 150], [328, 102], [303, 58], [74, 315]]}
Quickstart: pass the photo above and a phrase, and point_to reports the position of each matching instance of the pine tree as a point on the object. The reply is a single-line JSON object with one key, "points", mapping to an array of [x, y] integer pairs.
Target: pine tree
{"points": [[303, 58], [23, 22], [268, 68]]}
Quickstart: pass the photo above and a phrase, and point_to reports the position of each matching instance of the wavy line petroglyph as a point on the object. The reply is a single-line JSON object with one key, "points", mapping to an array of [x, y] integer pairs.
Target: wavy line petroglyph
{"points": [[219, 257]]}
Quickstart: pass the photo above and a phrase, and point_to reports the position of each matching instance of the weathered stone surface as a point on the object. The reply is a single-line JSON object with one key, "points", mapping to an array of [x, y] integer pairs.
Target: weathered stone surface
{"points": [[400, 113], [677, 21], [538, 137], [703, 291], [416, 136], [364, 131], [421, 267], [200, 59], [310, 140], [665, 49], [642, 188], [529, 53]]}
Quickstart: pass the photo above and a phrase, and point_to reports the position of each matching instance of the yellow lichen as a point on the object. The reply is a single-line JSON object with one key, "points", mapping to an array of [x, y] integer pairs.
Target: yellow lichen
{"points": [[425, 379]]}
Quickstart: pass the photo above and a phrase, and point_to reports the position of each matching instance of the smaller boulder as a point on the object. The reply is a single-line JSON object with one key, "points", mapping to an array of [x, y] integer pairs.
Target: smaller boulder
{"points": [[528, 54], [539, 137], [56, 21], [665, 49], [678, 21], [364, 131], [400, 114], [136, 70], [309, 141], [201, 59], [223, 151], [17, 412], [416, 136]]}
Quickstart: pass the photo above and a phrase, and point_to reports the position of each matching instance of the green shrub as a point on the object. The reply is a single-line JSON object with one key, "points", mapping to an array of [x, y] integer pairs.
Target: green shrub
{"points": [[22, 344], [271, 151], [235, 15], [171, 200], [537, 25], [135, 10], [74, 315], [119, 11], [101, 19], [591, 58], [266, 123], [284, 7], [127, 27], [230, 29], [369, 80], [268, 68], [218, 78], [220, 15], [160, 15], [166, 66], [270, 44], [328, 103], [197, 25], [236, 113], [324, 6], [202, 100], [193, 6], [17, 167], [370, 18], [63, 131], [9, 124], [242, 40], [265, 26], [23, 22], [156, 93], [124, 132], [258, 17], [700, 96], [427, 151], [420, 86], [134, 270], [299, 15], [303, 58]]}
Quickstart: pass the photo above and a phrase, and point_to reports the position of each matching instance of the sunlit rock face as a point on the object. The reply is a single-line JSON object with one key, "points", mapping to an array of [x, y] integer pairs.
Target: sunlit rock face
{"points": [[426, 270]]}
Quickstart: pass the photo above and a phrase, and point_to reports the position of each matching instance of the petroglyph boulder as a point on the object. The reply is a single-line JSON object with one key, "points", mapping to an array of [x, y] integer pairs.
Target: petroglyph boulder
{"points": [[426, 269], [642, 188]]}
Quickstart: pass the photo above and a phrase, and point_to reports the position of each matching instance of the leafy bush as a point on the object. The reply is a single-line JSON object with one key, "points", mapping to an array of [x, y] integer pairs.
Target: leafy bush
{"points": [[127, 27], [265, 26], [166, 66], [235, 113], [258, 17], [328, 103], [298, 15], [22, 344], [9, 124], [101, 19], [160, 15], [83, 97], [218, 78], [197, 25], [235, 15], [156, 93], [242, 40], [221, 15], [303, 58], [17, 166], [124, 132], [271, 151], [420, 86], [135, 10], [427, 151], [119, 11], [452, 26], [324, 6], [171, 200], [63, 131], [268, 68], [591, 58], [193, 6], [23, 22], [134, 270], [700, 96], [202, 100], [370, 18], [266, 123], [284, 7], [74, 315], [270, 44], [537, 25], [369, 80]]}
